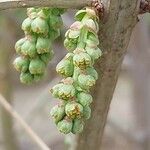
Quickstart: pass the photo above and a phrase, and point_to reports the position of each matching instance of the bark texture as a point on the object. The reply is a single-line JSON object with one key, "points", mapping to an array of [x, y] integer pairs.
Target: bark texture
{"points": [[115, 34], [6, 4]]}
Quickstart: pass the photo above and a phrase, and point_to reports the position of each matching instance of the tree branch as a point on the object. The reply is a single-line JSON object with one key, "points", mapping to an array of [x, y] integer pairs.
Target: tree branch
{"points": [[7, 4], [114, 36]]}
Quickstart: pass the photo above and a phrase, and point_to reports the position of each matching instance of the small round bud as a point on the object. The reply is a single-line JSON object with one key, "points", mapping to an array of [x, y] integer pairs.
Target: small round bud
{"points": [[54, 34], [58, 113], [26, 78], [37, 66], [18, 45], [65, 66], [26, 25], [46, 57], [78, 126], [91, 71], [95, 53], [70, 44], [43, 45], [28, 49], [82, 59], [55, 22], [86, 81], [38, 77], [21, 64], [84, 99], [65, 126], [74, 110], [87, 112], [40, 26]]}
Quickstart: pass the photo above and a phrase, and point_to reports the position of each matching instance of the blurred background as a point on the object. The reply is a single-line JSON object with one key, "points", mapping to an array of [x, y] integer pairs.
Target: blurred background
{"points": [[128, 125]]}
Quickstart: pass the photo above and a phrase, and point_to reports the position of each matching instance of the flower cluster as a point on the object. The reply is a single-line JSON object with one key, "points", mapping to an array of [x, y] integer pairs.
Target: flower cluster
{"points": [[41, 27], [78, 72]]}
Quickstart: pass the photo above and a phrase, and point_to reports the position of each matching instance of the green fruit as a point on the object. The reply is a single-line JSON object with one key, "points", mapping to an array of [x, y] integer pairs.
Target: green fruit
{"points": [[82, 60], [18, 45], [87, 112], [65, 126], [40, 26], [43, 45], [26, 25], [21, 64], [86, 81], [78, 126], [74, 110], [26, 78], [58, 113], [46, 57], [37, 66], [28, 49], [84, 99]]}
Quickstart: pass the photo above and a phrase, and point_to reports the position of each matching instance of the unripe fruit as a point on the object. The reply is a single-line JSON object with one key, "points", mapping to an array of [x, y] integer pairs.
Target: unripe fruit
{"points": [[74, 110], [78, 126], [26, 78], [86, 81], [26, 25], [65, 126], [40, 26], [84, 99], [21, 64], [18, 45], [37, 66], [87, 112], [28, 49], [58, 113], [82, 60], [43, 45]]}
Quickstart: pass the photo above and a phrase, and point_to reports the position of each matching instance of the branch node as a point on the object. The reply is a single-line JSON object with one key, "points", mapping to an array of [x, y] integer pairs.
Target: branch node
{"points": [[144, 6], [99, 7]]}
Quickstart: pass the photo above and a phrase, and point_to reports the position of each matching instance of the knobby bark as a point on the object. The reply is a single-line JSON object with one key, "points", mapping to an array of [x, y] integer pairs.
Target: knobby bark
{"points": [[114, 37]]}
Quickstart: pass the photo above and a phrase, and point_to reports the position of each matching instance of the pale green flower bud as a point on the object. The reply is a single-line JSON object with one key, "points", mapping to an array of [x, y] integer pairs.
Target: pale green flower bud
{"points": [[91, 71], [47, 56], [95, 53], [58, 113], [65, 67], [82, 59], [38, 77], [40, 26], [86, 81], [92, 40], [26, 78], [66, 92], [42, 14], [78, 126], [54, 34], [31, 37], [74, 110], [18, 45], [55, 90], [21, 64], [70, 44], [65, 126], [87, 112], [43, 45], [37, 66], [30, 10], [55, 22], [28, 49], [26, 25], [80, 14], [84, 99]]}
